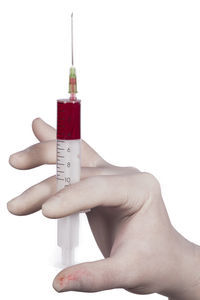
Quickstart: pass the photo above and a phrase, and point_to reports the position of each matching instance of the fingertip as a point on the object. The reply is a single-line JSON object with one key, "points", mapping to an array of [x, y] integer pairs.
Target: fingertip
{"points": [[42, 130], [19, 160], [45, 210], [59, 285], [9, 206], [18, 206], [11, 160], [48, 212], [14, 159], [38, 119], [51, 209], [35, 123], [71, 279], [14, 207], [56, 285], [85, 277]]}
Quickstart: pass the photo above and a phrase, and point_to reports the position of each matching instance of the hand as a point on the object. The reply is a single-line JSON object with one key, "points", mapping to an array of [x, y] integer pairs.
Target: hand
{"points": [[143, 252]]}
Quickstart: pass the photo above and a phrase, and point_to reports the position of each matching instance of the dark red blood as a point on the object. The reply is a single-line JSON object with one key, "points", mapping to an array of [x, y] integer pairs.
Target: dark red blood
{"points": [[68, 119]]}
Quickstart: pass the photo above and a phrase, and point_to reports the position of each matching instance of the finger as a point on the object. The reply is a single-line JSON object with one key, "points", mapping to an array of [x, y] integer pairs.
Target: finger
{"points": [[45, 153], [86, 194], [32, 199], [43, 131], [89, 277], [34, 156]]}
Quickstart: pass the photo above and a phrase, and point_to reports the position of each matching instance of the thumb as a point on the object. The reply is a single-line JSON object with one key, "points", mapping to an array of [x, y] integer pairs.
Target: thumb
{"points": [[89, 277]]}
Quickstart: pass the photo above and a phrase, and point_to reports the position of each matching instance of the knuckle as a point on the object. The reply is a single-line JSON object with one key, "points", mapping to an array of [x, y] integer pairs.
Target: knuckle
{"points": [[127, 182], [132, 170], [151, 181]]}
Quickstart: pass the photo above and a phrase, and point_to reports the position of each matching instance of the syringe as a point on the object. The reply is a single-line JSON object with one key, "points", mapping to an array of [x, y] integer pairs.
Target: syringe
{"points": [[68, 161]]}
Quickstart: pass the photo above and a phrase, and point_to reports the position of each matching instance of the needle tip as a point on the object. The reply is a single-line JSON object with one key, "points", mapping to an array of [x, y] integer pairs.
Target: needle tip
{"points": [[72, 38]]}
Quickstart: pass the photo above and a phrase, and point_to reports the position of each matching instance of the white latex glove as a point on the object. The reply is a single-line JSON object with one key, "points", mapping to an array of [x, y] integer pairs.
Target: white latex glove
{"points": [[143, 252]]}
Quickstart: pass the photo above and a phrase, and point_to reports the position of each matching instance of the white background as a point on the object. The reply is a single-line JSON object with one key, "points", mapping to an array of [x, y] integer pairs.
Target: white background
{"points": [[138, 68]]}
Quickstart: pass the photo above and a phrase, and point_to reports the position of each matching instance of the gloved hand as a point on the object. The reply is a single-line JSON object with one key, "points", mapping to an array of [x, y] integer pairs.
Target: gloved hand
{"points": [[143, 252]]}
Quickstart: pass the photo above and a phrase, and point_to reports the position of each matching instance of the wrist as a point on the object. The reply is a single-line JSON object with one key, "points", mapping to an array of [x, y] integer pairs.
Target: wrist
{"points": [[185, 277]]}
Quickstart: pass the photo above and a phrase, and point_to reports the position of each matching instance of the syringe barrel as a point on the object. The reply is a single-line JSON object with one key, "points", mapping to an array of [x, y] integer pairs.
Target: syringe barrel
{"points": [[68, 119], [68, 171]]}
